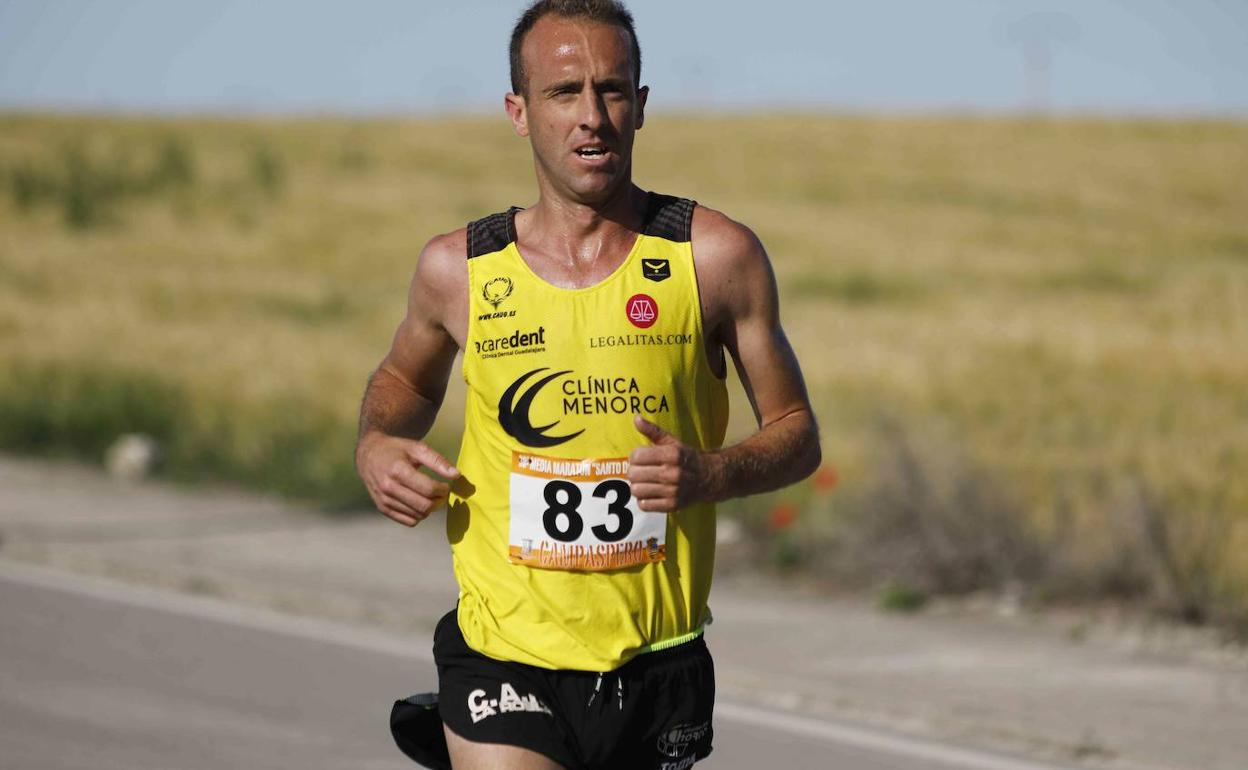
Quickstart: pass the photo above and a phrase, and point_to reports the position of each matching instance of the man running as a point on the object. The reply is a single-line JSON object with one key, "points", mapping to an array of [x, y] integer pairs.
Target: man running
{"points": [[595, 327]]}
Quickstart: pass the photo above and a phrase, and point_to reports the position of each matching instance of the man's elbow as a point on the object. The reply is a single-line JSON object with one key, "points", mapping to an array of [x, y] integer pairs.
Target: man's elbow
{"points": [[810, 454]]}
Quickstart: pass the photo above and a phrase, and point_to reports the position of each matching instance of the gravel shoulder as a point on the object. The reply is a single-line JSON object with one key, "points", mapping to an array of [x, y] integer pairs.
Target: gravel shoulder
{"points": [[1081, 688]]}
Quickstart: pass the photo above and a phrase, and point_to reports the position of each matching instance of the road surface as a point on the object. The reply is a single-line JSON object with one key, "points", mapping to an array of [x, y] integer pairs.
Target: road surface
{"points": [[101, 675], [793, 668]]}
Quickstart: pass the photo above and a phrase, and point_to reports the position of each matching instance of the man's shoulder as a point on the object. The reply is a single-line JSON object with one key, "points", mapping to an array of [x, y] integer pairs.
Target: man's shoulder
{"points": [[453, 244], [722, 239], [441, 262], [733, 269]]}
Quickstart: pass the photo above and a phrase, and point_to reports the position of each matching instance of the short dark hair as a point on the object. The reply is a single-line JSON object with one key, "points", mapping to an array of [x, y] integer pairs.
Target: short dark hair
{"points": [[610, 12]]}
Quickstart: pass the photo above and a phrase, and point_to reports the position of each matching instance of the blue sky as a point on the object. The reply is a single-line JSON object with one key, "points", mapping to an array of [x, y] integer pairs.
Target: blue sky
{"points": [[413, 56]]}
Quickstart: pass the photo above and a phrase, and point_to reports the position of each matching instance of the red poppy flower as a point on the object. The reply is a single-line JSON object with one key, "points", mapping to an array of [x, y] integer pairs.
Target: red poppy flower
{"points": [[783, 516], [826, 478]]}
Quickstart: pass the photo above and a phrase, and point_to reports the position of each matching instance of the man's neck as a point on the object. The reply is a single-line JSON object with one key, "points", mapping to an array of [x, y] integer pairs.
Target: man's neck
{"points": [[577, 232]]}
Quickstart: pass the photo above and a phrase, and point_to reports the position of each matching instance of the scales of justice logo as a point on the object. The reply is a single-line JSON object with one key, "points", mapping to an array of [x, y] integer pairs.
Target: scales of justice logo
{"points": [[496, 290], [642, 310]]}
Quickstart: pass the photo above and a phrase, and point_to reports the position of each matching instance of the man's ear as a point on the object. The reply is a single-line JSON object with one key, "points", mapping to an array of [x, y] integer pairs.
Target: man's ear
{"points": [[517, 111], [642, 93]]}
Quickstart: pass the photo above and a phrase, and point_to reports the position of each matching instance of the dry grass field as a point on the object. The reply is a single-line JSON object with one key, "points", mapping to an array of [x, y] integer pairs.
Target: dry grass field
{"points": [[1027, 339]]}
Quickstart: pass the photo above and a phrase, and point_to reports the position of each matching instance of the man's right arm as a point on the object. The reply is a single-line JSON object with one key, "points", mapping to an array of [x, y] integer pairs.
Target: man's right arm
{"points": [[404, 393]]}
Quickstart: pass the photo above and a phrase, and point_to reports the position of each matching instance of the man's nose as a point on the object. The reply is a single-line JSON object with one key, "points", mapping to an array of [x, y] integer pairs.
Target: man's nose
{"points": [[593, 110]]}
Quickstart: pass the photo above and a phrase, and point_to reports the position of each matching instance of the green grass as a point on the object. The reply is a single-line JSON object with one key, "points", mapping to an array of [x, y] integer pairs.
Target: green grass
{"points": [[79, 409], [853, 287]]}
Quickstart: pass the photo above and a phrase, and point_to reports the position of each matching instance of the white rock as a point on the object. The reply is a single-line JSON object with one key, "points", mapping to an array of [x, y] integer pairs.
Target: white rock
{"points": [[728, 531], [133, 456]]}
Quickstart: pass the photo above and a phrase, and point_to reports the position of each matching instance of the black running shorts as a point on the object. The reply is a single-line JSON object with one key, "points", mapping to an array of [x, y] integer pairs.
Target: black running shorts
{"points": [[652, 713]]}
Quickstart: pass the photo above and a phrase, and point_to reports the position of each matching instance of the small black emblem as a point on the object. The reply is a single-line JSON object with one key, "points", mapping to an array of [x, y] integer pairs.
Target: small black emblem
{"points": [[496, 290], [513, 415], [655, 269]]}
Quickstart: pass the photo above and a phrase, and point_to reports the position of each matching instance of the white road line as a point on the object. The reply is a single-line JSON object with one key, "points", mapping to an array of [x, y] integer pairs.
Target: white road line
{"points": [[416, 646], [419, 647], [867, 738]]}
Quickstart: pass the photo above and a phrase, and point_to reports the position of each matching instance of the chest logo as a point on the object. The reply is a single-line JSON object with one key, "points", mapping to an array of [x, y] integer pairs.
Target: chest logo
{"points": [[642, 310], [513, 413], [496, 290], [656, 269]]}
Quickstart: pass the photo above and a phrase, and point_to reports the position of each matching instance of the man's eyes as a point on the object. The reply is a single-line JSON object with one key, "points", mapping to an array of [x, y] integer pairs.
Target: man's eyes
{"points": [[612, 91]]}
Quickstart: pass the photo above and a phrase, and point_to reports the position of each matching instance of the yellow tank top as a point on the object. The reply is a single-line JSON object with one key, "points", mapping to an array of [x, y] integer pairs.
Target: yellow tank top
{"points": [[557, 566]]}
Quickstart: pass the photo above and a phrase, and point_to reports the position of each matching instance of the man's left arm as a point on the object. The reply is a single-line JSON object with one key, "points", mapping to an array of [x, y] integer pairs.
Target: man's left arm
{"points": [[741, 304]]}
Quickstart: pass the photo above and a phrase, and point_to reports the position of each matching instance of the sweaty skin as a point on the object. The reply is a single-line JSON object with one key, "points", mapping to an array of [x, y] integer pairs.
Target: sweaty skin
{"points": [[580, 93]]}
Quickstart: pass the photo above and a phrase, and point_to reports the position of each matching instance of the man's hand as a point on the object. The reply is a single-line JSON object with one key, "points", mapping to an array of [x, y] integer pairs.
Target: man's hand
{"points": [[669, 474], [390, 465]]}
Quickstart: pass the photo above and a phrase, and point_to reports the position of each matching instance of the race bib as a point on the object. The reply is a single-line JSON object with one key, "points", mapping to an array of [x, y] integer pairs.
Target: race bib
{"points": [[579, 515]]}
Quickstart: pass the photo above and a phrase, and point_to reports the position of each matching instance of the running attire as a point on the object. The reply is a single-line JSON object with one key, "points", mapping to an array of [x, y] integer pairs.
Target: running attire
{"points": [[652, 713], [561, 575]]}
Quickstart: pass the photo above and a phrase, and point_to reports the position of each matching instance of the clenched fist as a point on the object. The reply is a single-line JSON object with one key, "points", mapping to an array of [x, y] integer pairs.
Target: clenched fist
{"points": [[669, 474], [390, 467]]}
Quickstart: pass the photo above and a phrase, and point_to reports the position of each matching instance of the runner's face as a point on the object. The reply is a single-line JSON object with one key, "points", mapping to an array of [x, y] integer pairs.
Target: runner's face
{"points": [[581, 108]]}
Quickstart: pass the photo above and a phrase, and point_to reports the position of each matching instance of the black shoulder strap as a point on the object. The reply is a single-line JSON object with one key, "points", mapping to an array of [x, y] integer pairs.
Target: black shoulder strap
{"points": [[670, 217], [666, 217], [490, 234]]}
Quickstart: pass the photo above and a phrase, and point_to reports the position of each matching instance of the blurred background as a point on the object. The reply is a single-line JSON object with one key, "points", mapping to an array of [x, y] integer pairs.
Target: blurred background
{"points": [[1004, 234]]}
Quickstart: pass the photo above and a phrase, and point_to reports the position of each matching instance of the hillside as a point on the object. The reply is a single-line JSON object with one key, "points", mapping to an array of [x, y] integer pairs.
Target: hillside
{"points": [[1025, 338]]}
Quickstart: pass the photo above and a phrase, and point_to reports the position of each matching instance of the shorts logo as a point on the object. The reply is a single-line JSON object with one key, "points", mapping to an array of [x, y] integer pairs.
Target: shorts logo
{"points": [[656, 269], [675, 742], [513, 414], [508, 700], [642, 310]]}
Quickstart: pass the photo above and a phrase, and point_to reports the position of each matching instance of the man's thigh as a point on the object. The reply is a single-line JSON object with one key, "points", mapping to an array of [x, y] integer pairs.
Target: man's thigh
{"points": [[493, 710], [466, 755]]}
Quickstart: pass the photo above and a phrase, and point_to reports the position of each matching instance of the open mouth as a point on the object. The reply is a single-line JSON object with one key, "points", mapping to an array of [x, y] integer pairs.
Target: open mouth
{"points": [[592, 151]]}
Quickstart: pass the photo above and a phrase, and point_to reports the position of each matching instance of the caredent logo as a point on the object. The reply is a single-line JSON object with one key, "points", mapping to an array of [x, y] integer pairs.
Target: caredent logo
{"points": [[514, 344], [582, 396]]}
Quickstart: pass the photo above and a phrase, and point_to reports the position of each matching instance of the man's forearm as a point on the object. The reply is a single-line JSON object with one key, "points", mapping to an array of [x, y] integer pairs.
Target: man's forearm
{"points": [[394, 408], [779, 454]]}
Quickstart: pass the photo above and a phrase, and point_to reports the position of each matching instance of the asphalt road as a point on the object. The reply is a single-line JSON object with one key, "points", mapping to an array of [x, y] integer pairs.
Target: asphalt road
{"points": [[103, 675]]}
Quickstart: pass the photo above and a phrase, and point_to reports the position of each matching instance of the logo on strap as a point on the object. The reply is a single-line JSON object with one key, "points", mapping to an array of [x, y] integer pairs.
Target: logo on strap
{"points": [[656, 269]]}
